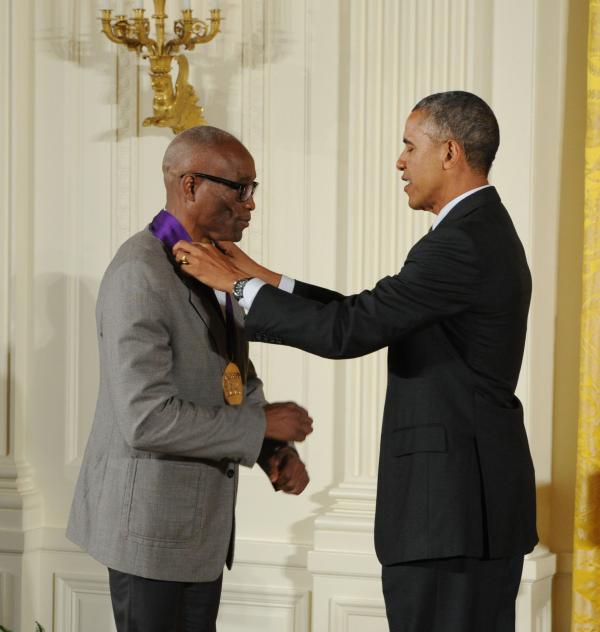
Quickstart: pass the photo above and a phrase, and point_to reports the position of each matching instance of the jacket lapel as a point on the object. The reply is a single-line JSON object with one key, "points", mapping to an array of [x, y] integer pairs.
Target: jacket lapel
{"points": [[201, 299], [204, 302]]}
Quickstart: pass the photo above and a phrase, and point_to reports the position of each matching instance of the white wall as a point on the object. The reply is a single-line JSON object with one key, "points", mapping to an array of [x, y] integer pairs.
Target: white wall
{"points": [[318, 90]]}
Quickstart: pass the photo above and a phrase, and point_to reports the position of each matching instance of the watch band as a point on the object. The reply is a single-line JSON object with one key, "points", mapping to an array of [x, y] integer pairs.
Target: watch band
{"points": [[238, 288]]}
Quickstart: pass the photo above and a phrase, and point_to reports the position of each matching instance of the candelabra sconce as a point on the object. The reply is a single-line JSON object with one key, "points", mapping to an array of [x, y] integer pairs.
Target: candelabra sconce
{"points": [[174, 106]]}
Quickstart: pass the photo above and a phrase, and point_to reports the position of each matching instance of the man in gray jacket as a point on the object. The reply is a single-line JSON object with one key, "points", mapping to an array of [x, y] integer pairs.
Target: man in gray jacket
{"points": [[179, 405]]}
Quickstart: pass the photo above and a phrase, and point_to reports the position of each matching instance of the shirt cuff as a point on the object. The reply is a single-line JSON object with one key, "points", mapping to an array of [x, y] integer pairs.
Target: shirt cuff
{"points": [[253, 286], [286, 284], [250, 291]]}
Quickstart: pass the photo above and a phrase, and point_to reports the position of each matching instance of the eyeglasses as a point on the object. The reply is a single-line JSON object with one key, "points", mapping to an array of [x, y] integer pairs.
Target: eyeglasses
{"points": [[245, 189]]}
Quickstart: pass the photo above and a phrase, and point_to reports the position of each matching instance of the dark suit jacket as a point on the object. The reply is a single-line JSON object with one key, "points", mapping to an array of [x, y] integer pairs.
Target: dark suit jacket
{"points": [[455, 472]]}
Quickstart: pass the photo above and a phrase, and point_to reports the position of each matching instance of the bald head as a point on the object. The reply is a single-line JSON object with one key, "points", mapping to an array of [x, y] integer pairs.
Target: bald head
{"points": [[193, 146], [202, 168]]}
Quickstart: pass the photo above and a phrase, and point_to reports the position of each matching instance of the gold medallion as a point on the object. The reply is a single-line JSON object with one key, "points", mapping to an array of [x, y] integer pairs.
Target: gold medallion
{"points": [[233, 387]]}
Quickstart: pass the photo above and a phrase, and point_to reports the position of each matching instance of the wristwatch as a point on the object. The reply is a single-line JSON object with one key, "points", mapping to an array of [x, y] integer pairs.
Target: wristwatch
{"points": [[238, 288]]}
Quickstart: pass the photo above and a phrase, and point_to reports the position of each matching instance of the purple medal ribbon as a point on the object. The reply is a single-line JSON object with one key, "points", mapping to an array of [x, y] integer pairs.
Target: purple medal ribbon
{"points": [[169, 230]]}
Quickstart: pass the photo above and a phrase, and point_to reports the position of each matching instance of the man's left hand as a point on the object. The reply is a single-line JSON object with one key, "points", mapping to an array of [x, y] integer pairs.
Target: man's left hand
{"points": [[287, 472]]}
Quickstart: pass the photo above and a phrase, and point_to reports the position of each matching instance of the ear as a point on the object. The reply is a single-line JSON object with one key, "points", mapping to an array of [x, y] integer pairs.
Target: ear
{"points": [[188, 187], [453, 153]]}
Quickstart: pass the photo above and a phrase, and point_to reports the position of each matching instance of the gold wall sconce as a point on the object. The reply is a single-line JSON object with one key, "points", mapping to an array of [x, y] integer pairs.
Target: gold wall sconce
{"points": [[174, 106]]}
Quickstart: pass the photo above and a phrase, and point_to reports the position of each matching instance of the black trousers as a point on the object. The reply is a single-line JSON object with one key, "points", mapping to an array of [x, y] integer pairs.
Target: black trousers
{"points": [[150, 605], [452, 595]]}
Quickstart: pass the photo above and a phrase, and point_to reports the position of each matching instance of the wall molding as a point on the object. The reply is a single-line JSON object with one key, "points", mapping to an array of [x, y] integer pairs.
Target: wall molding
{"points": [[73, 186], [74, 591], [71, 590], [16, 63], [247, 551], [295, 603], [7, 599], [539, 564], [343, 610]]}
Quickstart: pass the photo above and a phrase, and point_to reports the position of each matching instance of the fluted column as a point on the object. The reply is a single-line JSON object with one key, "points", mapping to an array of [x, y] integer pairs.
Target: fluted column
{"points": [[18, 502]]}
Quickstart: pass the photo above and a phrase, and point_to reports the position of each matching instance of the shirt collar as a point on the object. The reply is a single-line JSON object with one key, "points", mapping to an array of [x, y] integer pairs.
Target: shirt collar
{"points": [[448, 207]]}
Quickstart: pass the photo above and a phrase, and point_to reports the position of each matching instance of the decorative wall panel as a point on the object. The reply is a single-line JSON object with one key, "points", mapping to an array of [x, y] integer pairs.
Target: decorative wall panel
{"points": [[8, 599], [72, 237], [263, 609], [358, 615], [82, 603]]}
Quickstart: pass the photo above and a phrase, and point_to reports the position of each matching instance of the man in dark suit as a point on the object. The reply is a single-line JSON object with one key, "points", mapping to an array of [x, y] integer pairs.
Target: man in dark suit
{"points": [[456, 491]]}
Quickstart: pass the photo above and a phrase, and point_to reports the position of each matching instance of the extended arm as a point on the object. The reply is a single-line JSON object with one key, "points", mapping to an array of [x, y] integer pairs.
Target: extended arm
{"points": [[439, 279]]}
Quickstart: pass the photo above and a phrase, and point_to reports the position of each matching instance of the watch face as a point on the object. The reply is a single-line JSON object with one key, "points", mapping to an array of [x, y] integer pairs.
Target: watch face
{"points": [[238, 288]]}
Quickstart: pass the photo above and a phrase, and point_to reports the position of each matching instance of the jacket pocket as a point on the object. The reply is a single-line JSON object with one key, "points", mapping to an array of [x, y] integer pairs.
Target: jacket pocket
{"points": [[430, 438], [164, 500]]}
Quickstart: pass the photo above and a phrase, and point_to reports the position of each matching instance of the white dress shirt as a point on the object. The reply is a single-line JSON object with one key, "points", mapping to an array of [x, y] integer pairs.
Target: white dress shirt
{"points": [[251, 290]]}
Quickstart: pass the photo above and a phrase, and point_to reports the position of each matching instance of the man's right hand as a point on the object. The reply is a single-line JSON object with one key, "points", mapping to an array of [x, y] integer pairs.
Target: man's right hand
{"points": [[287, 421]]}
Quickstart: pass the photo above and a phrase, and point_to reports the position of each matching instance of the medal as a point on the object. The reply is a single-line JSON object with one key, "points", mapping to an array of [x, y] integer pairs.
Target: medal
{"points": [[233, 387]]}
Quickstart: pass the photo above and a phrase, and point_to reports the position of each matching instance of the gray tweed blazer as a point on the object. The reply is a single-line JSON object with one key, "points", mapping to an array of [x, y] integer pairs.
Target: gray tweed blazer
{"points": [[153, 497]]}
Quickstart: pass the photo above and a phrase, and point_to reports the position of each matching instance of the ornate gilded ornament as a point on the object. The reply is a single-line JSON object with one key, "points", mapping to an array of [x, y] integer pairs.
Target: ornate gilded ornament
{"points": [[173, 106]]}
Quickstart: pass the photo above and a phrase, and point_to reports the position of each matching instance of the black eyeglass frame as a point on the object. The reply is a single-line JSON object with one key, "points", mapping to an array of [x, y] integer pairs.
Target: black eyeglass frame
{"points": [[239, 186]]}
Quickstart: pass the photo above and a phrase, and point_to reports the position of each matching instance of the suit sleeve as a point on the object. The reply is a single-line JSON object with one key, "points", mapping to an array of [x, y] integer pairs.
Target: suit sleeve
{"points": [[316, 293], [135, 338], [440, 278]]}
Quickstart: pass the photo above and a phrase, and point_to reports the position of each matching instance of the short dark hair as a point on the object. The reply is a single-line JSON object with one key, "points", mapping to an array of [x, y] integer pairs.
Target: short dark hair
{"points": [[468, 119]]}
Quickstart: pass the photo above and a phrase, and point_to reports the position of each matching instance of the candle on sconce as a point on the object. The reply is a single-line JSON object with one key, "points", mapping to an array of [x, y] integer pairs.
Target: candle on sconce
{"points": [[119, 10], [187, 4]]}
